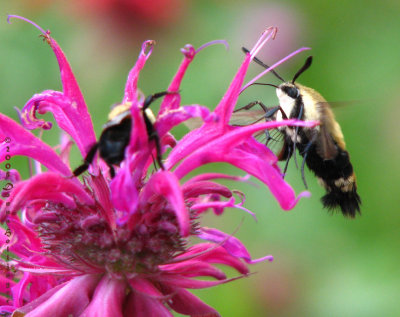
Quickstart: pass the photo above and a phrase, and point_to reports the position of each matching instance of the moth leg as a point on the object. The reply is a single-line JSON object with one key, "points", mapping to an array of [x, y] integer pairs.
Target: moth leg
{"points": [[88, 160], [289, 155], [295, 137], [269, 113], [251, 105]]}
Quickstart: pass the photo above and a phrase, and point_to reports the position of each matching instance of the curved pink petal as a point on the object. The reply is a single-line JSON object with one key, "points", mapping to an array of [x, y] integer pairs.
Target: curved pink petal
{"points": [[145, 287], [219, 206], [231, 244], [72, 103], [108, 299], [226, 105], [186, 303], [166, 184], [231, 148], [25, 143], [70, 299], [138, 150], [195, 189], [77, 108], [223, 111], [102, 195], [40, 186], [208, 176], [37, 286], [194, 268], [139, 305], [191, 142], [188, 52], [124, 194], [24, 240], [212, 253], [183, 282], [11, 175], [131, 90], [68, 117], [169, 119]]}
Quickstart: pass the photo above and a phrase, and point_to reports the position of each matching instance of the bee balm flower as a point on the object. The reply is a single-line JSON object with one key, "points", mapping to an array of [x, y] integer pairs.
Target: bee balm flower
{"points": [[119, 246]]}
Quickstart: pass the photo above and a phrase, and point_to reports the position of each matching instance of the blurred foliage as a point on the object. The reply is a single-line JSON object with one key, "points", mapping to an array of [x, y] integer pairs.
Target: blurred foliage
{"points": [[324, 265]]}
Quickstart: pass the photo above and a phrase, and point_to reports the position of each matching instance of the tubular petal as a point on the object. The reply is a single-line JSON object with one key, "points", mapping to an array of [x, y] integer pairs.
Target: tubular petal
{"points": [[186, 303], [107, 299], [40, 186], [131, 90], [71, 299], [167, 185], [139, 305], [25, 143]]}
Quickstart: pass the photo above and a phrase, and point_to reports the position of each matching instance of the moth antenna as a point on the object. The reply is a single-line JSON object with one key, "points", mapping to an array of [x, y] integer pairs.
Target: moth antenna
{"points": [[264, 84], [255, 59], [306, 65]]}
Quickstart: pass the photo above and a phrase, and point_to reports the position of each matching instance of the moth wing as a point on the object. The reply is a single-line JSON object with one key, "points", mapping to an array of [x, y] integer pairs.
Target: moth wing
{"points": [[273, 138], [193, 123], [246, 117], [326, 147]]}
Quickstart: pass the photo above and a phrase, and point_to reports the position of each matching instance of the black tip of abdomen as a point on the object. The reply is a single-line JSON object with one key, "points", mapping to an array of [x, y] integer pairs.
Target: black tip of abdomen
{"points": [[349, 202]]}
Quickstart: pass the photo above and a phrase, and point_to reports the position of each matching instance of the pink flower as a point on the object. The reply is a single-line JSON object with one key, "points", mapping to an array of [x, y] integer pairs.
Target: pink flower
{"points": [[118, 247]]}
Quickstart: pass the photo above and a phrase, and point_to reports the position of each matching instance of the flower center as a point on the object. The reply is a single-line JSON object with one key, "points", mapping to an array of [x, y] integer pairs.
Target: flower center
{"points": [[82, 239]]}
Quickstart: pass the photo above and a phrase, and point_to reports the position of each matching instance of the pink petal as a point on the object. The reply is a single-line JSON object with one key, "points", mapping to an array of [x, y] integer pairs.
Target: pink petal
{"points": [[31, 287], [24, 240], [186, 303], [11, 175], [193, 268], [189, 53], [195, 189], [169, 119], [124, 194], [231, 148], [101, 192], [139, 305], [145, 287], [66, 113], [219, 206], [131, 90], [167, 104], [191, 142], [226, 105], [41, 187], [25, 143], [75, 108], [71, 299], [208, 176], [178, 281], [166, 184], [231, 244], [211, 253], [108, 298]]}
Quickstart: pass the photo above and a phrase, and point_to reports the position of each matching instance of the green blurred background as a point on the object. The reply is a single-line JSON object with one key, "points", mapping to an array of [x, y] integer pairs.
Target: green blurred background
{"points": [[324, 265]]}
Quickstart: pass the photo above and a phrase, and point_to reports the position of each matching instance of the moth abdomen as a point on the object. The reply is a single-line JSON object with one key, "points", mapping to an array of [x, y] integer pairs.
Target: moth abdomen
{"points": [[342, 193]]}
